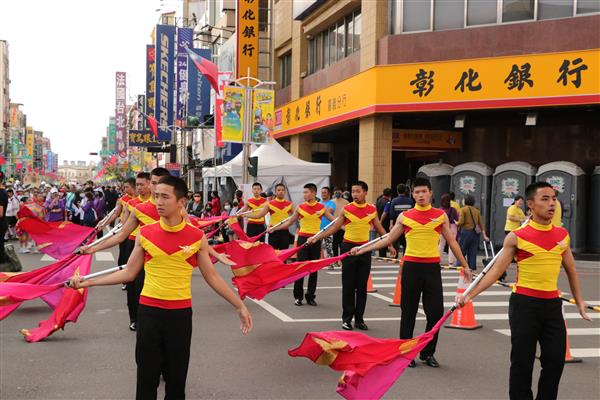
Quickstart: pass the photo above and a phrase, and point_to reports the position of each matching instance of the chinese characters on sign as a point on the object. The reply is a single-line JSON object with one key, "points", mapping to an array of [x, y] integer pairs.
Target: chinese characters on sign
{"points": [[184, 39], [142, 138], [120, 115], [247, 38], [150, 79], [165, 80]]}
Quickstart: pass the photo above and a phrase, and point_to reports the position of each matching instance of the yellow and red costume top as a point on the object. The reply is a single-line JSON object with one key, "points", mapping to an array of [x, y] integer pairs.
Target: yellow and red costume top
{"points": [[170, 255], [131, 204], [279, 210], [358, 219], [146, 212], [539, 255], [422, 228], [310, 214], [255, 203]]}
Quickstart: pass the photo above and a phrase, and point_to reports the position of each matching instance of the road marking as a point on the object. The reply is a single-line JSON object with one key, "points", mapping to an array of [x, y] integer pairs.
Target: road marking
{"points": [[104, 256], [582, 353], [502, 317], [279, 314], [340, 320], [46, 257], [571, 331], [382, 297]]}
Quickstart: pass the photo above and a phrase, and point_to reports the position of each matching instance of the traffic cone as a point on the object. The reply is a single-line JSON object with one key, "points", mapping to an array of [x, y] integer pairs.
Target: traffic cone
{"points": [[398, 288], [370, 288], [569, 359], [464, 317]]}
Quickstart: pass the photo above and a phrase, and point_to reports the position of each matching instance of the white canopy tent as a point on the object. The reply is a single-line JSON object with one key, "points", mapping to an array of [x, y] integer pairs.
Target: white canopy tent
{"points": [[275, 165]]}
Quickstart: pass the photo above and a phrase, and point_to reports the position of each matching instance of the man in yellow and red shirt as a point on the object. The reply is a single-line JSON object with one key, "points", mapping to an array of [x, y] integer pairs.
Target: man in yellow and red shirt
{"points": [[421, 272], [278, 209], [357, 218], [535, 309], [255, 226], [309, 214], [168, 251]]}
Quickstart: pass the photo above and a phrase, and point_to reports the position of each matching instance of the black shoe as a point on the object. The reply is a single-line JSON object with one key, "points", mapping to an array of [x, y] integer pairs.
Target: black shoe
{"points": [[347, 326], [412, 364], [297, 302], [431, 361], [132, 326], [311, 302], [361, 325]]}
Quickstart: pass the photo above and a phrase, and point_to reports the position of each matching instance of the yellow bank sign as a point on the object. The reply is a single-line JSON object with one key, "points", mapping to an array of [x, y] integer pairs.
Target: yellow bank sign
{"points": [[535, 80]]}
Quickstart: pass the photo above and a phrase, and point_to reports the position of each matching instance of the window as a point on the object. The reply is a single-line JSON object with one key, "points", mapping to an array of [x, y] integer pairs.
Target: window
{"points": [[332, 46], [341, 40], [481, 12], [416, 16], [350, 37], [285, 70], [588, 6], [554, 8], [448, 14], [517, 10], [356, 41]]}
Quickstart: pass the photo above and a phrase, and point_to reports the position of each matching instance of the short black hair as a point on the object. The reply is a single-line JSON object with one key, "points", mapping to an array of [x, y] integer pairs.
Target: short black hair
{"points": [[311, 186], [532, 189], [197, 194], [401, 188], [517, 198], [239, 193], [179, 186], [255, 184], [362, 184], [279, 185], [326, 188], [9, 191], [421, 182], [160, 171], [387, 192], [452, 195], [130, 182], [215, 193], [469, 200], [143, 175]]}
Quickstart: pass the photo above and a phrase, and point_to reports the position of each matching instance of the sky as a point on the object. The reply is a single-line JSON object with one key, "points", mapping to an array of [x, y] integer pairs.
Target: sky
{"points": [[63, 57]]}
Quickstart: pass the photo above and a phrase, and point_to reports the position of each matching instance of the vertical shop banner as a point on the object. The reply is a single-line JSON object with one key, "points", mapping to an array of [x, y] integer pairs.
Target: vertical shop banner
{"points": [[247, 38], [263, 109], [184, 40], [141, 106], [112, 136], [120, 115], [198, 88], [233, 114], [150, 79], [165, 80], [29, 141], [224, 79]]}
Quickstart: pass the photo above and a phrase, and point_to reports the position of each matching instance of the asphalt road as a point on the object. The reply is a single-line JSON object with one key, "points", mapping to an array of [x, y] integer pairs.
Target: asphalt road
{"points": [[94, 358]]}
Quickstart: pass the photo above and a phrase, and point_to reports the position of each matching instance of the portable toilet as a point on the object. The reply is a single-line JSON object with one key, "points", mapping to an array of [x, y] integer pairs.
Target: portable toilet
{"points": [[510, 180], [439, 175], [594, 220], [475, 179], [568, 180]]}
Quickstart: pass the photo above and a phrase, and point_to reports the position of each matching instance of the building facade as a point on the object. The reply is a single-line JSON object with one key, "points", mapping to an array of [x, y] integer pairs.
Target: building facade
{"points": [[76, 171], [4, 96], [380, 88]]}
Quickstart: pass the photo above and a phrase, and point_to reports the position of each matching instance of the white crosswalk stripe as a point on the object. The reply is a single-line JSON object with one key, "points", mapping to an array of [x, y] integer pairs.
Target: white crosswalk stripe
{"points": [[99, 256]]}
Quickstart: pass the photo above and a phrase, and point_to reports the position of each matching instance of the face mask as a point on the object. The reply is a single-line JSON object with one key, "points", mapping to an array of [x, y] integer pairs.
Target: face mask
{"points": [[337, 195], [227, 207]]}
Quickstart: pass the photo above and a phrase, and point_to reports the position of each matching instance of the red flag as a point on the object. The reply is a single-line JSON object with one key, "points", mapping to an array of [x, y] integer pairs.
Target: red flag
{"points": [[14, 293], [2, 160], [153, 125], [57, 239], [201, 223], [237, 229], [206, 68], [370, 365]]}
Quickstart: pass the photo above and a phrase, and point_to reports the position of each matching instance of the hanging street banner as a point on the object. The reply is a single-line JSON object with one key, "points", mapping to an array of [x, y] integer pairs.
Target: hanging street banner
{"points": [[184, 39], [224, 79], [141, 106], [247, 38], [533, 80], [198, 89], [263, 109], [120, 115], [150, 79], [233, 114], [165, 80], [143, 138], [112, 136]]}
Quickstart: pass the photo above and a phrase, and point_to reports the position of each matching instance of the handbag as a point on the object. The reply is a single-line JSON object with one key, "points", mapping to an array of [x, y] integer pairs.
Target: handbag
{"points": [[475, 224]]}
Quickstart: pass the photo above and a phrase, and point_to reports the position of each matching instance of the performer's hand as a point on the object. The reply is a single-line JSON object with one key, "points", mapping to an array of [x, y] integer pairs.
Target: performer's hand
{"points": [[392, 250], [461, 300], [310, 241], [75, 281], [224, 258], [468, 275], [486, 238], [245, 319], [85, 250], [581, 307], [355, 251]]}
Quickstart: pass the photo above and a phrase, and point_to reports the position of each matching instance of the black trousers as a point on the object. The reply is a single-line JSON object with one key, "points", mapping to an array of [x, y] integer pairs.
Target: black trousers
{"points": [[134, 289], [125, 249], [255, 229], [534, 320], [162, 346], [280, 240], [417, 279], [3, 229], [338, 238], [355, 274], [312, 252]]}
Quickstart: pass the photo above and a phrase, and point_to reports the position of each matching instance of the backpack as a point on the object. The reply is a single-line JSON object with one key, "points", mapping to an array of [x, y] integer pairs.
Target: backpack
{"points": [[89, 217]]}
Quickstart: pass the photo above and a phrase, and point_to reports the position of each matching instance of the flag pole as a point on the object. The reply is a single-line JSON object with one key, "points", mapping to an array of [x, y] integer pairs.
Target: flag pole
{"points": [[99, 273], [329, 225], [380, 238], [110, 233], [272, 228]]}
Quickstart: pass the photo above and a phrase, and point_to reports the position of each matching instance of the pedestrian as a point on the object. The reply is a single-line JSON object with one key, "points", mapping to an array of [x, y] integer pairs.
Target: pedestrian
{"points": [[453, 203], [514, 215], [309, 214], [165, 312], [224, 228], [55, 207], [195, 206], [535, 308], [421, 272], [380, 204], [358, 218], [453, 218], [329, 204], [399, 204], [255, 226], [3, 217], [11, 213], [471, 230], [89, 213], [239, 196], [215, 204], [207, 213], [99, 204], [557, 218]]}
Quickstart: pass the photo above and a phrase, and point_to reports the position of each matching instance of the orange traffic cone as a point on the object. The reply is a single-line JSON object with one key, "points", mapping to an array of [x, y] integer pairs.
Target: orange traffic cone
{"points": [[569, 359], [463, 318], [370, 288], [398, 288]]}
